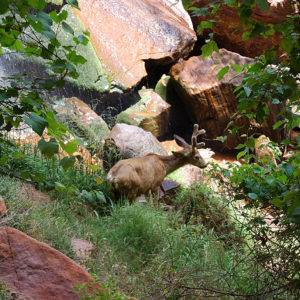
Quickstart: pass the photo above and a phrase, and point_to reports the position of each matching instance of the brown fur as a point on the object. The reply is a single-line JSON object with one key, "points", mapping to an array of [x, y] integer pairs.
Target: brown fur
{"points": [[136, 176]]}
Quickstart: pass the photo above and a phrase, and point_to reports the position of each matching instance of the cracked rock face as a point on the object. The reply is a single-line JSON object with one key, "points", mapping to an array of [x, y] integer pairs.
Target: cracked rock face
{"points": [[226, 26], [36, 270], [125, 33]]}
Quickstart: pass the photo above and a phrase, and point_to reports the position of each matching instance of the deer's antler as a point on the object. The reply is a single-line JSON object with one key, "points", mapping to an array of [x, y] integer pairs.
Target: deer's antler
{"points": [[196, 133]]}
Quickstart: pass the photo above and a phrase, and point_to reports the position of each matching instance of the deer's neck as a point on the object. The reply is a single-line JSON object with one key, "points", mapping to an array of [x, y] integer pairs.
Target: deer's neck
{"points": [[172, 162]]}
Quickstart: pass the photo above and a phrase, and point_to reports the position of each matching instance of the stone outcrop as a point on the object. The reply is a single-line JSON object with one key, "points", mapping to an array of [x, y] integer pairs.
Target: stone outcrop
{"points": [[135, 142], [210, 102], [36, 270], [151, 113], [3, 209], [125, 33], [227, 34], [82, 120], [83, 248]]}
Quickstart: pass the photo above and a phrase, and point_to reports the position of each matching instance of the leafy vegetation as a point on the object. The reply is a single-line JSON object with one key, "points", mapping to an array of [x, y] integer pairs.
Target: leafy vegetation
{"points": [[270, 81], [239, 239]]}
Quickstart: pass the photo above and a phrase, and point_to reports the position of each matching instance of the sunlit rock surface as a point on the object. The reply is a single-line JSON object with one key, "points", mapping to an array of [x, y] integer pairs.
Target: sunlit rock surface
{"points": [[135, 142], [229, 36], [36, 270], [81, 119], [151, 113], [125, 33], [209, 102]]}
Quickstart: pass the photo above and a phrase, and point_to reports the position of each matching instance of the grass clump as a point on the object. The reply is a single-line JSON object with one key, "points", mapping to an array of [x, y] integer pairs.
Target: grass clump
{"points": [[200, 205]]}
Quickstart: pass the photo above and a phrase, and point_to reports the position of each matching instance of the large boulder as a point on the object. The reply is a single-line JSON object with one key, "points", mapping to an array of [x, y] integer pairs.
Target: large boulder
{"points": [[151, 113], [126, 33], [135, 142], [36, 270], [210, 102], [227, 26], [82, 120]]}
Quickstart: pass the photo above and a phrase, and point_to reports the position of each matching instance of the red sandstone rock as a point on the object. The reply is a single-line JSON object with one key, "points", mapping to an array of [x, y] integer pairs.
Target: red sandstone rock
{"points": [[211, 102], [125, 33], [3, 209], [151, 113], [36, 270], [227, 34]]}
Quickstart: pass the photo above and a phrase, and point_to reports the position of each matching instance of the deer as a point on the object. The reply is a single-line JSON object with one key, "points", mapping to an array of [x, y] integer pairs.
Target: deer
{"points": [[134, 177]]}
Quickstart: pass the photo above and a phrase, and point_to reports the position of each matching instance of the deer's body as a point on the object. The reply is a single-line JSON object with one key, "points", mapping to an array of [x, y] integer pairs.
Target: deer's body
{"points": [[136, 176]]}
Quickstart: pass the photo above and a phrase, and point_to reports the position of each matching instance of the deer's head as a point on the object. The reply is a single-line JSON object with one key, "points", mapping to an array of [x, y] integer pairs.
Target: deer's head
{"points": [[190, 152]]}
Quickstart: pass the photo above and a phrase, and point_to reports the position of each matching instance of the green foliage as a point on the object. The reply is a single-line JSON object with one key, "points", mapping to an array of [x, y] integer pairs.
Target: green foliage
{"points": [[137, 232], [269, 83], [199, 205], [65, 178], [4, 292], [27, 29], [99, 291]]}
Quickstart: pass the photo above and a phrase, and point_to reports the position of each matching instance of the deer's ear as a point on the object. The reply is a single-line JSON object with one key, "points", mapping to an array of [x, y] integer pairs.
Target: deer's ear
{"points": [[180, 141]]}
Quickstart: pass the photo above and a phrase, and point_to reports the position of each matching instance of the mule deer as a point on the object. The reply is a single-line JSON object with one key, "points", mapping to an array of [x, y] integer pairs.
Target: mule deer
{"points": [[136, 176]]}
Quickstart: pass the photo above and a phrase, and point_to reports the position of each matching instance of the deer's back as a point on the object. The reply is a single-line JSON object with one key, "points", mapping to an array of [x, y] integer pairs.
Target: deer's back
{"points": [[136, 176]]}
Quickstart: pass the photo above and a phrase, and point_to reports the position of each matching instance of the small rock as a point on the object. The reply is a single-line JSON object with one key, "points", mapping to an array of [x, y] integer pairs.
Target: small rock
{"points": [[3, 209], [83, 248], [151, 113]]}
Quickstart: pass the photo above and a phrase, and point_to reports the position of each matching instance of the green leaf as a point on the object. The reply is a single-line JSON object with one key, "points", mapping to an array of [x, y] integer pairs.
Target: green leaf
{"points": [[54, 16], [48, 148], [287, 45], [63, 15], [275, 101], [247, 90], [37, 4], [73, 3], [67, 162], [252, 196], [223, 72], [278, 124], [3, 6], [67, 28], [203, 25], [37, 123], [241, 154], [71, 147], [59, 187], [18, 46], [288, 169], [25, 175], [209, 48], [263, 4]]}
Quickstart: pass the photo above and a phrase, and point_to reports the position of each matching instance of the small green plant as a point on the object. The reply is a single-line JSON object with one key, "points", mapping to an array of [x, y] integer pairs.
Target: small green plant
{"points": [[4, 291], [200, 205], [97, 290]]}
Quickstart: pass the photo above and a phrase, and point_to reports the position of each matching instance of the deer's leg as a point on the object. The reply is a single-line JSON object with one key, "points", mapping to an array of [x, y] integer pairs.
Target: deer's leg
{"points": [[155, 196]]}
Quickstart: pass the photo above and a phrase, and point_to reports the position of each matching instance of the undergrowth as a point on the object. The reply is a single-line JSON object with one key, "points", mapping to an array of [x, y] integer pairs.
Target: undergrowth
{"points": [[199, 249]]}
